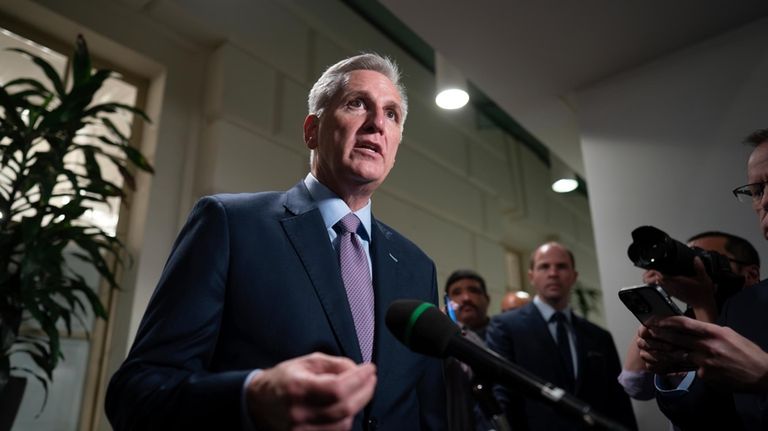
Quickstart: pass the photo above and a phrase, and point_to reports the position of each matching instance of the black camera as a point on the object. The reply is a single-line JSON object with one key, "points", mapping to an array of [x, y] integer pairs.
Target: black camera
{"points": [[651, 248]]}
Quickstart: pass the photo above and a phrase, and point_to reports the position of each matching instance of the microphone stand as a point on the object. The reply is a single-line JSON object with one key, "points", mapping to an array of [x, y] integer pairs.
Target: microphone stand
{"points": [[483, 393], [513, 376]]}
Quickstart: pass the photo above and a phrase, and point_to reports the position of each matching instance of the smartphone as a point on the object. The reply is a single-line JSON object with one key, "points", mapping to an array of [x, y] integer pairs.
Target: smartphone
{"points": [[647, 301], [449, 308]]}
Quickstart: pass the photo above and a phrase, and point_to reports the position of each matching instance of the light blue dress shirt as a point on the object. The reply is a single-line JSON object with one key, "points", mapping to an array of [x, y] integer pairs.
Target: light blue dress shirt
{"points": [[333, 209]]}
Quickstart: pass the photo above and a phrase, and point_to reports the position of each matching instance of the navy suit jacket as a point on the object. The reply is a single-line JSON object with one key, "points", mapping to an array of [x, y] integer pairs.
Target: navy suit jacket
{"points": [[253, 280], [708, 407], [522, 337]]}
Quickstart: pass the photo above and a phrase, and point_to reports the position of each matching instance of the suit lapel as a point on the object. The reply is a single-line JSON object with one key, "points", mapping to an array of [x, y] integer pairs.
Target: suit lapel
{"points": [[305, 230], [388, 287], [542, 328], [581, 354]]}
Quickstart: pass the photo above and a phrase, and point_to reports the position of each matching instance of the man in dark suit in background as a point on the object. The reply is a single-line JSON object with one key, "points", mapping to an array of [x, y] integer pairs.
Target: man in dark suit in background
{"points": [[547, 339], [269, 313]]}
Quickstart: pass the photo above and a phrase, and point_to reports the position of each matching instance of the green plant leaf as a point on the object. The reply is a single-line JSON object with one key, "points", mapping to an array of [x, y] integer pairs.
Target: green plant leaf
{"points": [[44, 233], [81, 63], [49, 71], [113, 107], [10, 107]]}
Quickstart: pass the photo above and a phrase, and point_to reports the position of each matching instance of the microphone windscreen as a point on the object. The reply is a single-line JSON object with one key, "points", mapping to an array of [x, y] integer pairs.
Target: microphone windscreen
{"points": [[421, 326]]}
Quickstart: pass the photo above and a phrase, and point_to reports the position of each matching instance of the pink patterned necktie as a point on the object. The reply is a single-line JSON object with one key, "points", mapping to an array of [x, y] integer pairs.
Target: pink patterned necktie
{"points": [[357, 281]]}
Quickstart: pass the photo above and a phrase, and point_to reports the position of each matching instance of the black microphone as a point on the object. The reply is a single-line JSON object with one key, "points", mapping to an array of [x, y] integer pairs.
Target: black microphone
{"points": [[423, 328]]}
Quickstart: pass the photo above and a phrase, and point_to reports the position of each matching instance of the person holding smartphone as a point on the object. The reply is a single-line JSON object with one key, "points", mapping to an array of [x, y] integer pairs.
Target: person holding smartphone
{"points": [[744, 261], [729, 389]]}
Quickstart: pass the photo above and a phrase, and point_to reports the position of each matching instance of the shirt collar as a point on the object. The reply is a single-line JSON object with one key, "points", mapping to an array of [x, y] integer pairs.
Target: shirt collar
{"points": [[547, 311], [332, 208]]}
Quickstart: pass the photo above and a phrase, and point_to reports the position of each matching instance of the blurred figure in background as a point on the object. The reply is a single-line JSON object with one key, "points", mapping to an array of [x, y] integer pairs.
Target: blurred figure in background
{"points": [[513, 300]]}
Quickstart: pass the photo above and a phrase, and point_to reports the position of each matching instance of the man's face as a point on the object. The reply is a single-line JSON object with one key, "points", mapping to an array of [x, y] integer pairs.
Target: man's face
{"points": [[470, 300], [717, 244], [356, 138], [552, 275], [757, 171]]}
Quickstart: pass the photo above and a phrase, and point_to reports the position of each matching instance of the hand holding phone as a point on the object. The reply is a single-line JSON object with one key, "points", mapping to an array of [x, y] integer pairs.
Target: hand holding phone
{"points": [[648, 301]]}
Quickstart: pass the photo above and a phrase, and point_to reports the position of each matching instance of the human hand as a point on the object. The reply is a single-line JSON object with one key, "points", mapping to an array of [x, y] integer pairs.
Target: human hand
{"points": [[695, 291], [632, 360], [720, 354], [312, 392], [651, 276], [658, 355]]}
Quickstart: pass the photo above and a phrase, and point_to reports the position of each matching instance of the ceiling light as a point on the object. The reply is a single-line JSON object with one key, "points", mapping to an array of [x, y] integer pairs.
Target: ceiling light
{"points": [[563, 178], [451, 85]]}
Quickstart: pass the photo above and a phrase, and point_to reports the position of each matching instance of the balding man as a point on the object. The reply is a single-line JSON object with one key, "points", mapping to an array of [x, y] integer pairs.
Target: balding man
{"points": [[547, 339], [514, 300]]}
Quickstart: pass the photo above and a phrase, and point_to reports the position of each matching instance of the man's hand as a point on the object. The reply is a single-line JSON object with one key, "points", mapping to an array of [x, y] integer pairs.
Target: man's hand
{"points": [[313, 392], [659, 355], [697, 291], [719, 354]]}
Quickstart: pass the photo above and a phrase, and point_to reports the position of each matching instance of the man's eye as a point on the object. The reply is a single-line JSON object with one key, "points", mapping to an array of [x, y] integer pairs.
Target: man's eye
{"points": [[355, 103], [392, 115]]}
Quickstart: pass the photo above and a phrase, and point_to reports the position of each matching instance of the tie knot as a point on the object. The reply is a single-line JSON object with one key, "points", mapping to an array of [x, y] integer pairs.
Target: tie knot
{"points": [[349, 223], [559, 316]]}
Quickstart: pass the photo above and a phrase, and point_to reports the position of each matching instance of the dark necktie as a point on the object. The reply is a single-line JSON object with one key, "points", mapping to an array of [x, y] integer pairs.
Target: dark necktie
{"points": [[564, 346], [357, 282]]}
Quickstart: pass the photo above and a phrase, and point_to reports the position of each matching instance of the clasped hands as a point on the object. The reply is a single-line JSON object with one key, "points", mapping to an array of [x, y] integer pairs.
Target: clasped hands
{"points": [[312, 392]]}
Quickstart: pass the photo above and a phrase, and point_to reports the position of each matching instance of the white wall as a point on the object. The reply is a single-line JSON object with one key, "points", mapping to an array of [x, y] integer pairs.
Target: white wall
{"points": [[662, 147]]}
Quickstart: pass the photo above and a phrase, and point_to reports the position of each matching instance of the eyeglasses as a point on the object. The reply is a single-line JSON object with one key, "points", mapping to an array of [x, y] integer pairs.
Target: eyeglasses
{"points": [[751, 193]]}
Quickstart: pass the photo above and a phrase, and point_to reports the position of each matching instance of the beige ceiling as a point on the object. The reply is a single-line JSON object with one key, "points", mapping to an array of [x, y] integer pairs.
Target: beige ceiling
{"points": [[531, 56]]}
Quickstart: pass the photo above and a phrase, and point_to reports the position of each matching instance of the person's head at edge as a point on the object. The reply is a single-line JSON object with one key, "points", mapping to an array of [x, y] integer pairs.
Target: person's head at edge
{"points": [[357, 109], [757, 173], [552, 273], [741, 254], [467, 290]]}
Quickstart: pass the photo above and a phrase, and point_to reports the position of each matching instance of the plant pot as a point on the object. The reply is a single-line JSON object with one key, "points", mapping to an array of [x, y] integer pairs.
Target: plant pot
{"points": [[10, 399]]}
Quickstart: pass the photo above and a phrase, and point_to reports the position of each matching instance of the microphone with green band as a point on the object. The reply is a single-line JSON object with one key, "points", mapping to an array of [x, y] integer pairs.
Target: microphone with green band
{"points": [[424, 329]]}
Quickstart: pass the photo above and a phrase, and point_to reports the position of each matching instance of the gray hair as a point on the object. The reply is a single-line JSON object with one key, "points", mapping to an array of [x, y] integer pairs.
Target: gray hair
{"points": [[336, 76]]}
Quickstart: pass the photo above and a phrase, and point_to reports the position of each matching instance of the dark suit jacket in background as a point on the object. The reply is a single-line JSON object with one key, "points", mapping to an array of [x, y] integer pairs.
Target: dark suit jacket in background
{"points": [[522, 337], [252, 281], [707, 407]]}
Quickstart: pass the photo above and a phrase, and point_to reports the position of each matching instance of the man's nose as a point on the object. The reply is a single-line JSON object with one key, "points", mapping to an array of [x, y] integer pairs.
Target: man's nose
{"points": [[375, 120]]}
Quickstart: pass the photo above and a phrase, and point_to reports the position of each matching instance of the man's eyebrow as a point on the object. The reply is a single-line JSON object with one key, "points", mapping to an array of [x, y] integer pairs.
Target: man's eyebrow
{"points": [[394, 105]]}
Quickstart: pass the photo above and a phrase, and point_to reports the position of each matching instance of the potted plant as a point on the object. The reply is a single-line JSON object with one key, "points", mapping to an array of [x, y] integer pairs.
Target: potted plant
{"points": [[50, 175]]}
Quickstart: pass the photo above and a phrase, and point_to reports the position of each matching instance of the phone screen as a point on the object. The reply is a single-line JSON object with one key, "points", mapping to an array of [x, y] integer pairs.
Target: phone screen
{"points": [[450, 308]]}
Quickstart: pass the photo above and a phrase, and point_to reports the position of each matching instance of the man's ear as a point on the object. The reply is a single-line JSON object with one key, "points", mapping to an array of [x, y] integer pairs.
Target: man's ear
{"points": [[751, 275], [311, 124]]}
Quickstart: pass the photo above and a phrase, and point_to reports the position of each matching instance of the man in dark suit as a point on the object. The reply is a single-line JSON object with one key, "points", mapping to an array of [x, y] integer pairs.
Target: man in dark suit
{"points": [[269, 313], [729, 388], [547, 339]]}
